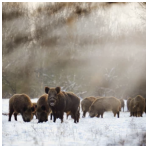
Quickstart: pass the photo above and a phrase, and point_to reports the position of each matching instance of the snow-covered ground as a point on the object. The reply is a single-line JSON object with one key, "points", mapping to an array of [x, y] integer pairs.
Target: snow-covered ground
{"points": [[109, 131]]}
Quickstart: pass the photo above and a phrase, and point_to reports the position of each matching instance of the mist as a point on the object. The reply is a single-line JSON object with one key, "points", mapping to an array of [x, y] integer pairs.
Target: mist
{"points": [[91, 49]]}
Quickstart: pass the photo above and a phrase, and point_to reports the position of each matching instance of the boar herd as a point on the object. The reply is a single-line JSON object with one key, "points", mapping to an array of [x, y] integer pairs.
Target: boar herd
{"points": [[56, 102]]}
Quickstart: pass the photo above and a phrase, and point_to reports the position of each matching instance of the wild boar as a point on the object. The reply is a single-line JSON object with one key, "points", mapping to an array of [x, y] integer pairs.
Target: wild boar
{"points": [[43, 108], [104, 104], [61, 102], [137, 106], [21, 103], [85, 104]]}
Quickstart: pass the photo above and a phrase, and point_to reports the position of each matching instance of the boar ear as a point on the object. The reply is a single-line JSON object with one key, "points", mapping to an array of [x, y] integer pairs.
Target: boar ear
{"points": [[43, 107], [58, 89], [46, 89], [32, 109]]}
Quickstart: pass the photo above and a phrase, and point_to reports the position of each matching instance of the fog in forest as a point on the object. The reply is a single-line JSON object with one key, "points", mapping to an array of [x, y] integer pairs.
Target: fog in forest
{"points": [[91, 49]]}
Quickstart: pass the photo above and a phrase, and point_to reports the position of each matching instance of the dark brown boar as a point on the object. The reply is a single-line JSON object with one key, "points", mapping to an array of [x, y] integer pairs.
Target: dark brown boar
{"points": [[128, 103], [21, 103], [43, 109], [61, 102], [104, 104], [137, 106], [122, 103], [85, 104]]}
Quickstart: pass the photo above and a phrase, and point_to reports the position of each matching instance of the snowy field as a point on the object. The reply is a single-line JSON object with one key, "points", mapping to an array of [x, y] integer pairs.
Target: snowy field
{"points": [[109, 131]]}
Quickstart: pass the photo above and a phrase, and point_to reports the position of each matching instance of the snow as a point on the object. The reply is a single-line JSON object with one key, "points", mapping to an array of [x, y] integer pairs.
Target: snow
{"points": [[109, 131]]}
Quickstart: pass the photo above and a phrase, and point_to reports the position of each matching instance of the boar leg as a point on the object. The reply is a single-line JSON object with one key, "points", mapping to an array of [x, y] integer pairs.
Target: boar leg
{"points": [[54, 120], [15, 116], [78, 115], [118, 114], [51, 116], [114, 112], [75, 116], [98, 115], [61, 115], [101, 115], [135, 113], [75, 119], [54, 117], [10, 113], [140, 114], [130, 113], [84, 113]]}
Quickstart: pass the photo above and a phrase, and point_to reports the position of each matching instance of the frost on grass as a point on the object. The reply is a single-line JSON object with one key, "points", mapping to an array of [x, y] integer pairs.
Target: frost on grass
{"points": [[109, 131]]}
